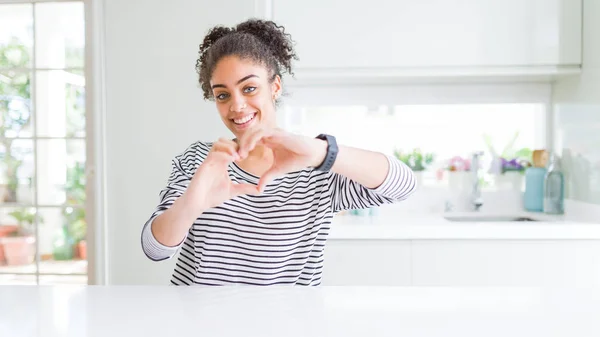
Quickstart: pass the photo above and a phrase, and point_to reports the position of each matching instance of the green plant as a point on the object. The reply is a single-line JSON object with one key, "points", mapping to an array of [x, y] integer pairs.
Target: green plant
{"points": [[75, 193], [25, 218], [416, 160], [76, 225], [511, 159], [15, 98], [509, 152]]}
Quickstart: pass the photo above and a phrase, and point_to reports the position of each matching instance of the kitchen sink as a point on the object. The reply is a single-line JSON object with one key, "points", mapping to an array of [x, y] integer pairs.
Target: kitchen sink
{"points": [[488, 218]]}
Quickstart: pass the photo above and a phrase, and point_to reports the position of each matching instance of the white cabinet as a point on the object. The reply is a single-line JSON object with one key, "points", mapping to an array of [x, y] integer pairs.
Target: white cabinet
{"points": [[367, 262], [337, 34], [506, 263], [463, 262]]}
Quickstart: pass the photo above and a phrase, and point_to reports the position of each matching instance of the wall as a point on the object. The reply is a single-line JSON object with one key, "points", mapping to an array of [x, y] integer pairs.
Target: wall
{"points": [[577, 116], [154, 110]]}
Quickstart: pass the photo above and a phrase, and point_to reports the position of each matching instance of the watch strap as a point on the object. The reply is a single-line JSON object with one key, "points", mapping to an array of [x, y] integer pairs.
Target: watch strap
{"points": [[332, 151]]}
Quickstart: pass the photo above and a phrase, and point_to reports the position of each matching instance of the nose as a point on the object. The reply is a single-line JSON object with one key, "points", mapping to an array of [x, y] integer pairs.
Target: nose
{"points": [[238, 104]]}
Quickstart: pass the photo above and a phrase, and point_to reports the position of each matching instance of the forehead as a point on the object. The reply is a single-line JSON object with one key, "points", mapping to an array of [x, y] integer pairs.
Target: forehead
{"points": [[231, 69]]}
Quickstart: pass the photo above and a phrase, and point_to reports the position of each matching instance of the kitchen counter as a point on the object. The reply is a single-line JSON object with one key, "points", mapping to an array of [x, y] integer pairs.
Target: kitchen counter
{"points": [[436, 227], [298, 311]]}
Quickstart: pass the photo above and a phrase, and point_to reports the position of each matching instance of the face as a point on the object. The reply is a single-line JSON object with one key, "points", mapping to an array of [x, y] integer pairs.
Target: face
{"points": [[244, 95]]}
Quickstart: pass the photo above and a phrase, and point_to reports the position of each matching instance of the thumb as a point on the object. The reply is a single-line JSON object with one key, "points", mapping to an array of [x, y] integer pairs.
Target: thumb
{"points": [[266, 178], [239, 189]]}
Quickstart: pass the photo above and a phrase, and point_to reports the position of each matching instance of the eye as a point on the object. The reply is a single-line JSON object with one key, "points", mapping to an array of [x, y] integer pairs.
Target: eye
{"points": [[249, 89], [221, 96]]}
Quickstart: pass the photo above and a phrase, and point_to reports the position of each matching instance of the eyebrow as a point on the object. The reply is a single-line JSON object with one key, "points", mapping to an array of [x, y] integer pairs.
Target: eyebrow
{"points": [[238, 82]]}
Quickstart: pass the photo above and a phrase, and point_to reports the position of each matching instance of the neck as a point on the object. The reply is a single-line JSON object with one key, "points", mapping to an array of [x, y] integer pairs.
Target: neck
{"points": [[261, 152]]}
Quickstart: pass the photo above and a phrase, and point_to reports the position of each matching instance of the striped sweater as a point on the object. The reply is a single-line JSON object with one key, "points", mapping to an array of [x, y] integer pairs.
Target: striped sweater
{"points": [[277, 237]]}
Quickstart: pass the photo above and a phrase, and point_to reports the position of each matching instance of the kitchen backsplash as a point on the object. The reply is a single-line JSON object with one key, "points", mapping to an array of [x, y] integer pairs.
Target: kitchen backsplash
{"points": [[577, 141]]}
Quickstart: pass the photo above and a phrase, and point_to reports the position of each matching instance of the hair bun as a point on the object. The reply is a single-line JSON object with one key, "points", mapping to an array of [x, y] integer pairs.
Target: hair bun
{"points": [[273, 37], [212, 36]]}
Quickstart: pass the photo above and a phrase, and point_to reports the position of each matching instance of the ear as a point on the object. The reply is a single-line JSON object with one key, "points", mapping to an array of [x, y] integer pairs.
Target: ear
{"points": [[276, 87]]}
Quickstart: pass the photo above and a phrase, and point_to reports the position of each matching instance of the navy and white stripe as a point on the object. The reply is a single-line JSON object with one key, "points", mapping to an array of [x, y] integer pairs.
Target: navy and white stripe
{"points": [[277, 237]]}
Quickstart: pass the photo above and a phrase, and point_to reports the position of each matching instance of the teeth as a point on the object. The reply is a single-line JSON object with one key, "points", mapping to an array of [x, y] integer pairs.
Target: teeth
{"points": [[243, 120]]}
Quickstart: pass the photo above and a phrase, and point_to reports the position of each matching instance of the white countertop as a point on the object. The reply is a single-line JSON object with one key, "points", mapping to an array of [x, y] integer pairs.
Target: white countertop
{"points": [[436, 227], [297, 311]]}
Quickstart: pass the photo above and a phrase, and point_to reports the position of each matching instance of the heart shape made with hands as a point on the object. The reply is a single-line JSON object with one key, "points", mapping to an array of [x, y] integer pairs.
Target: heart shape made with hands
{"points": [[291, 152], [211, 184]]}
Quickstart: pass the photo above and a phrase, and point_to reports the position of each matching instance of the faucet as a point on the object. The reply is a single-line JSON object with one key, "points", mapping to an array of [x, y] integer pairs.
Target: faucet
{"points": [[476, 200]]}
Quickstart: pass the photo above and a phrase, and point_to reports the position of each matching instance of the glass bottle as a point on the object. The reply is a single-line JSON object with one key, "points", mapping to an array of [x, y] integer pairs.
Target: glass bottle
{"points": [[554, 187]]}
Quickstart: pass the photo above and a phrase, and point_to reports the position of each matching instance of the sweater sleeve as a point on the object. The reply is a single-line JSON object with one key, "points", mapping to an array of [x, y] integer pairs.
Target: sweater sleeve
{"points": [[176, 185], [398, 185]]}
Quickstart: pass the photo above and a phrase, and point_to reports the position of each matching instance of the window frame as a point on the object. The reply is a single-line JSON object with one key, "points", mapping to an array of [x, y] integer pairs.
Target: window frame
{"points": [[93, 136]]}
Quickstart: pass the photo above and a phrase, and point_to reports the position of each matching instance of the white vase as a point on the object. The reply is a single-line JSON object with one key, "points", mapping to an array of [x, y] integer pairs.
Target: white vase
{"points": [[419, 178], [511, 180], [459, 191], [458, 180]]}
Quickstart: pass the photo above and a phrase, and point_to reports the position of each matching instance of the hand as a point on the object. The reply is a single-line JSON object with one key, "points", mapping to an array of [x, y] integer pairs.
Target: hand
{"points": [[210, 186], [290, 152]]}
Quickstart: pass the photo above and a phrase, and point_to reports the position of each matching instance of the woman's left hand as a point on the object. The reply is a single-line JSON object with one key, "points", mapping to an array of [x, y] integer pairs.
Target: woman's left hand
{"points": [[290, 152]]}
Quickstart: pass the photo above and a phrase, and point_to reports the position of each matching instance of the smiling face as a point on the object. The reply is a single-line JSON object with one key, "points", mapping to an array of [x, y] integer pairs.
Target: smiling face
{"points": [[245, 94]]}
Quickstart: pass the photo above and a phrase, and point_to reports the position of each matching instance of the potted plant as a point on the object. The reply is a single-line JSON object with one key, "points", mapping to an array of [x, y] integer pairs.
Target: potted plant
{"points": [[19, 246], [76, 229], [416, 160], [5, 230], [508, 167]]}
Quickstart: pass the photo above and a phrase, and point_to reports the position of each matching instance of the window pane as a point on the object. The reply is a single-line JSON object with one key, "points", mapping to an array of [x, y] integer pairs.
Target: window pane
{"points": [[15, 104], [452, 130], [62, 240], [60, 35], [60, 103], [17, 240], [61, 172], [444, 130], [16, 171], [16, 36]]}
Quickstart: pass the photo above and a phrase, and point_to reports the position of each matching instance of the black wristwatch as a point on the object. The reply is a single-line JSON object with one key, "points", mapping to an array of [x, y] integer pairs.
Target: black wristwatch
{"points": [[332, 151]]}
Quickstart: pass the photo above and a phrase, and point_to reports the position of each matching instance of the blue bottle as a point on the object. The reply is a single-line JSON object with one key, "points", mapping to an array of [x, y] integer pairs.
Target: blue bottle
{"points": [[554, 188], [533, 198]]}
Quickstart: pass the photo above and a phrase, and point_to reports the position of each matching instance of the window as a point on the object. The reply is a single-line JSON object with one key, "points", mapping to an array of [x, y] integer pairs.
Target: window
{"points": [[444, 123], [42, 143]]}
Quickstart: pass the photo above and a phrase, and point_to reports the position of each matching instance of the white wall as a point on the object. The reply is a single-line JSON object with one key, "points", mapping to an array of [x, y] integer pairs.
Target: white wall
{"points": [[154, 110], [577, 115]]}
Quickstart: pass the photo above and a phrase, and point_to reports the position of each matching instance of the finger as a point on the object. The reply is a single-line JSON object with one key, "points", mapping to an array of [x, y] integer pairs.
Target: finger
{"points": [[226, 146], [219, 147], [239, 189], [229, 142], [249, 143], [221, 156], [266, 178]]}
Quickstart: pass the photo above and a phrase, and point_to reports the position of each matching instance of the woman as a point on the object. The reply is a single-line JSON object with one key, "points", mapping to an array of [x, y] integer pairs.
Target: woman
{"points": [[257, 209]]}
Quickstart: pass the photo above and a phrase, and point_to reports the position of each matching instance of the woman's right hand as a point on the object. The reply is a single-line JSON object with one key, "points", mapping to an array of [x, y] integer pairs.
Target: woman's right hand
{"points": [[210, 186]]}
